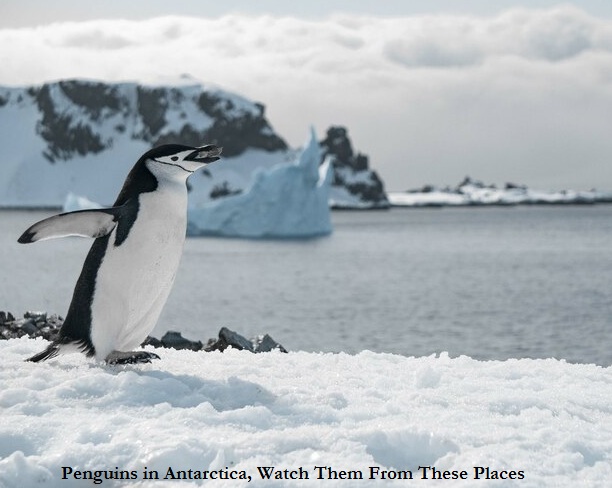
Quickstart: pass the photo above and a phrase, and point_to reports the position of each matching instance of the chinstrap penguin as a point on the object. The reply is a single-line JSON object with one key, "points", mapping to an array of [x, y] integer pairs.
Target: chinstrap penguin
{"points": [[130, 268]]}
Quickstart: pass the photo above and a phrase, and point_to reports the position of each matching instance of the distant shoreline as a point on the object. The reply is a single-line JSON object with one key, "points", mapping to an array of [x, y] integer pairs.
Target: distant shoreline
{"points": [[418, 206]]}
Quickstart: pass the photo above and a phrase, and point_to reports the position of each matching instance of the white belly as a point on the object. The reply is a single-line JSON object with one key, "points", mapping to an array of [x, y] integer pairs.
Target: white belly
{"points": [[135, 278]]}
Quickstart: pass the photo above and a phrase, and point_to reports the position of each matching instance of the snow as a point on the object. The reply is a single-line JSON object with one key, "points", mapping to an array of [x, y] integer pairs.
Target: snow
{"points": [[545, 420], [481, 195], [341, 198], [288, 200], [423, 199]]}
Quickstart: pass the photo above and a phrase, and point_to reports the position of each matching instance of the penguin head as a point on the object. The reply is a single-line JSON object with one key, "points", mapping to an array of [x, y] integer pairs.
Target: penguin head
{"points": [[179, 160]]}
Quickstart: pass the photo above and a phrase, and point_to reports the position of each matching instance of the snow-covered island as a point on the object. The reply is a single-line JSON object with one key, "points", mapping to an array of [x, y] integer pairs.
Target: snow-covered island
{"points": [[304, 419], [474, 192]]}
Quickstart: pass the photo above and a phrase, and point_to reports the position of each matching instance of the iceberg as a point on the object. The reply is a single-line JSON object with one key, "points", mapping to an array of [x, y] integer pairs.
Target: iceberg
{"points": [[76, 202], [289, 200]]}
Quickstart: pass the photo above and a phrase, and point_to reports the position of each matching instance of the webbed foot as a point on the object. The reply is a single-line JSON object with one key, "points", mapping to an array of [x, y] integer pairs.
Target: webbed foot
{"points": [[130, 357]]}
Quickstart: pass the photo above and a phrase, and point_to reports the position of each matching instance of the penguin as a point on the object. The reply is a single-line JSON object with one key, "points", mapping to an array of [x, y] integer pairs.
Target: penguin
{"points": [[131, 265]]}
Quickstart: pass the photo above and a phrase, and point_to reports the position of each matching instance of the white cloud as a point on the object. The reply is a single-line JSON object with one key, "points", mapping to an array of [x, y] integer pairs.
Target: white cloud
{"points": [[525, 95]]}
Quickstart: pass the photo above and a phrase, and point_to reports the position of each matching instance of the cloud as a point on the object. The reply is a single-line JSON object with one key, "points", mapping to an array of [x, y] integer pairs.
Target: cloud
{"points": [[94, 40], [430, 53], [522, 95]]}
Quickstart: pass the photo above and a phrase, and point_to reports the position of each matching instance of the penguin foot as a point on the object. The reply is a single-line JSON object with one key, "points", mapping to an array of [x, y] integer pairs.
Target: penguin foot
{"points": [[130, 357]]}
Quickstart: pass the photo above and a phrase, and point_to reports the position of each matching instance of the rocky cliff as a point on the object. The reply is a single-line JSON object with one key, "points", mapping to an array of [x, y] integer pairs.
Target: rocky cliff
{"points": [[354, 185]]}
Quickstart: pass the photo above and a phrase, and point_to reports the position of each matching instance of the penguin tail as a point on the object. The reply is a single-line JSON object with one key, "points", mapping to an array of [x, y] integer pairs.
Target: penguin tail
{"points": [[50, 352]]}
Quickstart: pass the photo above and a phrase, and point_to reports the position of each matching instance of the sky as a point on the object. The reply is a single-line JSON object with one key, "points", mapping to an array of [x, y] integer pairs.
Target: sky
{"points": [[431, 91]]}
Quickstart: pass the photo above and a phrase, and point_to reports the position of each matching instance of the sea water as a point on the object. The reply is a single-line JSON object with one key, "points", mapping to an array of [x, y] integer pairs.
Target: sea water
{"points": [[488, 282]]}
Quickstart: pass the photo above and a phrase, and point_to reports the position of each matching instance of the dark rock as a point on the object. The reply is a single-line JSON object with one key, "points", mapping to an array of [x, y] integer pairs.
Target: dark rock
{"points": [[40, 324], [175, 340], [468, 181], [152, 341], [93, 96], [152, 105], [28, 326], [229, 338], [515, 186], [233, 129], [33, 324], [37, 316], [346, 163], [237, 130], [338, 144], [266, 344], [55, 321], [223, 190], [67, 134], [63, 135]]}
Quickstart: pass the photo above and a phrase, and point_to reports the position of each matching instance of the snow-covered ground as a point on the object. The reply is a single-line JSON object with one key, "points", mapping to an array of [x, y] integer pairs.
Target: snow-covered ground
{"points": [[543, 423]]}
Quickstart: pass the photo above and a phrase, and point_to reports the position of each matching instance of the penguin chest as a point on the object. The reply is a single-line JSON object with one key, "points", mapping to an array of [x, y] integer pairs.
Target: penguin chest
{"points": [[136, 275]]}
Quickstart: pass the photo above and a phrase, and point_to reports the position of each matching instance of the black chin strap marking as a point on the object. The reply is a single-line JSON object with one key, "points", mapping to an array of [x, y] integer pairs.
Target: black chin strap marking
{"points": [[170, 164]]}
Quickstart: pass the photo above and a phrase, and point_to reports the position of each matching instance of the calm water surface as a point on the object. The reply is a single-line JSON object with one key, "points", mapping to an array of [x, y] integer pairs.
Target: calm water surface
{"points": [[491, 283]]}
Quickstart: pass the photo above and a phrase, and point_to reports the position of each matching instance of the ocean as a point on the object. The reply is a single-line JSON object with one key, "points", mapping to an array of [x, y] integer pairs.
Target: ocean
{"points": [[489, 282]]}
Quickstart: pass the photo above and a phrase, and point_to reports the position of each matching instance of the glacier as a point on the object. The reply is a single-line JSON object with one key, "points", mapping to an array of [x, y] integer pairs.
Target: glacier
{"points": [[289, 200]]}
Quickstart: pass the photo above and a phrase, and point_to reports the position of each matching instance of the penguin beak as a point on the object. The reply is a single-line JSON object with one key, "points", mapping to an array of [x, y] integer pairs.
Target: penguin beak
{"points": [[205, 154]]}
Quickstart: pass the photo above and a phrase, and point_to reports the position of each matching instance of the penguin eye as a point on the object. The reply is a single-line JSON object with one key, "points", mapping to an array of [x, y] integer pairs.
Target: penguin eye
{"points": [[174, 158]]}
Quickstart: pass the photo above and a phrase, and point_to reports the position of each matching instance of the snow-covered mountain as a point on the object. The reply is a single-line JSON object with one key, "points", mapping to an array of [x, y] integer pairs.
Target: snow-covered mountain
{"points": [[82, 137]]}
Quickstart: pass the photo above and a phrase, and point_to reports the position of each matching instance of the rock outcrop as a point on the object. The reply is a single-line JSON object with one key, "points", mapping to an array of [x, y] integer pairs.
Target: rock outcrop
{"points": [[354, 184]]}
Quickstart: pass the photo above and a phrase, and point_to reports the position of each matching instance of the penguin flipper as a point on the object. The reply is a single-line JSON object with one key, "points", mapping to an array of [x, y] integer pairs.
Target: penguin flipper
{"points": [[83, 223]]}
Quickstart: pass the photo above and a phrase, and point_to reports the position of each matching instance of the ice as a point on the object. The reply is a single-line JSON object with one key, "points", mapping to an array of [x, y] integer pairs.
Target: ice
{"points": [[548, 419], [285, 201], [75, 202]]}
